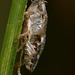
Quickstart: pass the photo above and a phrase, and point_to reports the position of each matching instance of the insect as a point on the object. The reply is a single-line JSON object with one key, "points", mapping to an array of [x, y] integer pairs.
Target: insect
{"points": [[32, 38]]}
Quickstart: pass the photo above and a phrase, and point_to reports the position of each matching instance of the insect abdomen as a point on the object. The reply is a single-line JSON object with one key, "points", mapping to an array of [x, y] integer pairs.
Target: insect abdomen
{"points": [[37, 42]]}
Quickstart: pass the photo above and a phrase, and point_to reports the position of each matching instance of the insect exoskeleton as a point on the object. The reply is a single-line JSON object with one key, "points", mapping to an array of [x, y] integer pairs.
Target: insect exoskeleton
{"points": [[35, 23]]}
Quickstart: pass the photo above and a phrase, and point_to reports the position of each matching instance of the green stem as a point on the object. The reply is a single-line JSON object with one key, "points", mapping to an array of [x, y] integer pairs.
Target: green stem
{"points": [[14, 25]]}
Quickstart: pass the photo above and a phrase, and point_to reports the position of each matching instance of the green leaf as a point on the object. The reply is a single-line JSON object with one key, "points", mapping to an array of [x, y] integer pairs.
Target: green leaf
{"points": [[13, 29]]}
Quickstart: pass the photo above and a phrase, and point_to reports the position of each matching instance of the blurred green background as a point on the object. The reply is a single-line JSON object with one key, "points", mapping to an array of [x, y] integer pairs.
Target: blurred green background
{"points": [[58, 55]]}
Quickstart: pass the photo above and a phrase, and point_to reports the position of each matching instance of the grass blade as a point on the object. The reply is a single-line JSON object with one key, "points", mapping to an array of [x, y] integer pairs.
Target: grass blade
{"points": [[14, 25]]}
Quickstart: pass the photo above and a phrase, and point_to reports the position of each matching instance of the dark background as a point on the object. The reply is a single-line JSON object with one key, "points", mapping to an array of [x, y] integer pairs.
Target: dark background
{"points": [[58, 55]]}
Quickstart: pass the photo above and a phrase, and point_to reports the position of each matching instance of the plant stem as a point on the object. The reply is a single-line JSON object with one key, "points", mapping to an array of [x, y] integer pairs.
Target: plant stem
{"points": [[14, 26]]}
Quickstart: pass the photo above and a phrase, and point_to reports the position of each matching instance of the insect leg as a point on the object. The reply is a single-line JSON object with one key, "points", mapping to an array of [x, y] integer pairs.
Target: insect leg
{"points": [[20, 36], [18, 72], [21, 46], [20, 61], [18, 65]]}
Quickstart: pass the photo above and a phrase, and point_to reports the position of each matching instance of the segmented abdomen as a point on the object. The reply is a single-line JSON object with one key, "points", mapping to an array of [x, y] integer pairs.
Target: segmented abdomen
{"points": [[37, 42]]}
